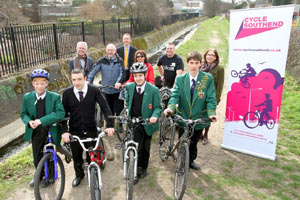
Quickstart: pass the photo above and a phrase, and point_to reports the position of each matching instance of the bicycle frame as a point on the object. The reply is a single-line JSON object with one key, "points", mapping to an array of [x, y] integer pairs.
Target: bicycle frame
{"points": [[92, 151]]}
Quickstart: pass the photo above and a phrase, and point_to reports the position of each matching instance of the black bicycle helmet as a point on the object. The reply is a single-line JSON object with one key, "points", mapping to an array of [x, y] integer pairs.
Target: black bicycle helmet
{"points": [[39, 73], [138, 67]]}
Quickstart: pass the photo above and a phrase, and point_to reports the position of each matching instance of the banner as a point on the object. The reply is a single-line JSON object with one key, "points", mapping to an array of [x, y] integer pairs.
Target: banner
{"points": [[258, 47]]}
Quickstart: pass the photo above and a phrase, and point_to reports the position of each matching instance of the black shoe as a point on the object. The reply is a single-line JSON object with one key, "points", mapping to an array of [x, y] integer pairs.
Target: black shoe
{"points": [[45, 184], [76, 181], [194, 166], [135, 181], [31, 183], [143, 173]]}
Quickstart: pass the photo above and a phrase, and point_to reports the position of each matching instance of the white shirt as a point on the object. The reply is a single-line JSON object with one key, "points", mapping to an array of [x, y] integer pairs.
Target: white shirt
{"points": [[82, 61], [191, 78], [40, 96], [142, 87], [84, 90]]}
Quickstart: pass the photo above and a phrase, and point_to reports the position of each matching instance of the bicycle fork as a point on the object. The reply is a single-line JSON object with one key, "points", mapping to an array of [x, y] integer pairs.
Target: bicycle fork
{"points": [[133, 146], [94, 164], [51, 150]]}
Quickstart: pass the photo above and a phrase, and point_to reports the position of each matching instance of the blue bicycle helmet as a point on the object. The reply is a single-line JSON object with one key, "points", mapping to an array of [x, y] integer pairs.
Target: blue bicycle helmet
{"points": [[39, 73]]}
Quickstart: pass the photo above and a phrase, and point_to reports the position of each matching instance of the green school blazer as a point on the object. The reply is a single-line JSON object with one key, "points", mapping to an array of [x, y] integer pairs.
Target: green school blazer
{"points": [[150, 106], [54, 112], [204, 98]]}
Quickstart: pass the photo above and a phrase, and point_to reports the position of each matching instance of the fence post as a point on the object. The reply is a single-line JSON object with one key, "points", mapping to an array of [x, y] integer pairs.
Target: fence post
{"points": [[103, 28], [82, 29], [55, 42], [131, 26], [12, 35], [119, 28]]}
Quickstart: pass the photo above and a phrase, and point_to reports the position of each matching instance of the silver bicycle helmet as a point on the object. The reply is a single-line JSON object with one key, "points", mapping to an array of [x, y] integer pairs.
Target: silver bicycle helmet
{"points": [[138, 67]]}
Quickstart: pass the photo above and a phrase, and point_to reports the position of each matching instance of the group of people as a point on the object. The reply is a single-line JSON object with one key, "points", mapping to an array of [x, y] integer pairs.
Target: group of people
{"points": [[195, 94]]}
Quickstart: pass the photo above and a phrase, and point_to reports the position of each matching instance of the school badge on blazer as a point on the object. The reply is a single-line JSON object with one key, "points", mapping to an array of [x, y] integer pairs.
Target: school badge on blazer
{"points": [[150, 106]]}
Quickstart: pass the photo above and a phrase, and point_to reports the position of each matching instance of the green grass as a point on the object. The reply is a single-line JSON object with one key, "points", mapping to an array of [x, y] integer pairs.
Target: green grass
{"points": [[15, 172]]}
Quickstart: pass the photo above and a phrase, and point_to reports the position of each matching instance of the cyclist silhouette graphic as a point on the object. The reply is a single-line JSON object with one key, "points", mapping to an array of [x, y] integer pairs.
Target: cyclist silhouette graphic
{"points": [[244, 74], [268, 108], [250, 72]]}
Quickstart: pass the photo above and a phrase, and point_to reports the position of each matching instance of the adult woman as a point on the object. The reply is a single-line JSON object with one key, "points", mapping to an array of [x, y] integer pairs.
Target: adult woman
{"points": [[211, 65], [140, 56]]}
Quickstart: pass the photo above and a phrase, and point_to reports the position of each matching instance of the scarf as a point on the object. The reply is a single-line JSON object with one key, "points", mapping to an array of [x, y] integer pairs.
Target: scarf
{"points": [[207, 67], [77, 63]]}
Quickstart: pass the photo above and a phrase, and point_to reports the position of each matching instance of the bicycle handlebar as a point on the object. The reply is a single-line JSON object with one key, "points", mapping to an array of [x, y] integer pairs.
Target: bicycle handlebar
{"points": [[82, 141], [203, 121], [133, 120], [59, 122]]}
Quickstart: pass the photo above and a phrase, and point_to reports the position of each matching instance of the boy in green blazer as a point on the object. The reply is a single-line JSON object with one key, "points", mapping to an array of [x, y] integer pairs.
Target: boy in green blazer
{"points": [[143, 100], [41, 108], [195, 95]]}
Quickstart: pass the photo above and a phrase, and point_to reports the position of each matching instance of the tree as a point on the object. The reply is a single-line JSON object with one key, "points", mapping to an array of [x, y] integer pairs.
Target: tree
{"points": [[10, 13], [211, 7], [31, 9], [76, 3], [282, 2], [93, 11]]}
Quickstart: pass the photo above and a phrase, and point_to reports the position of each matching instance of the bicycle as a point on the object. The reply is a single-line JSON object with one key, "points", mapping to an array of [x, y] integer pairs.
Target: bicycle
{"points": [[130, 151], [168, 148], [252, 119], [242, 77], [97, 156], [52, 168]]}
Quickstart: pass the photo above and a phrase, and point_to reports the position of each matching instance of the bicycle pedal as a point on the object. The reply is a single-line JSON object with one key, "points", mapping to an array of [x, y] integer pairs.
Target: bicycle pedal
{"points": [[118, 146]]}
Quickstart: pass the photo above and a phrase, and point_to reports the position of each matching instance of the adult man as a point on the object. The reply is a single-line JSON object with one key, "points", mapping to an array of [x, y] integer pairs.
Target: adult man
{"points": [[170, 65], [126, 52], [195, 96], [79, 102], [81, 60], [112, 71]]}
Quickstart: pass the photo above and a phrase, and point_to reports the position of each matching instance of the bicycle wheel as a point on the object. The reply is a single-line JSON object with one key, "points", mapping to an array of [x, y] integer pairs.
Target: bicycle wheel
{"points": [[270, 123], [251, 120], [122, 127], [182, 167], [166, 137], [101, 153], [99, 117], [55, 187], [234, 73], [94, 185], [130, 176]]}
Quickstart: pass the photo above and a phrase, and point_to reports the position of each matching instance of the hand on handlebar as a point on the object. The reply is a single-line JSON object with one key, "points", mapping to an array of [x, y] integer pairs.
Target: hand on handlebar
{"points": [[66, 137], [213, 118], [118, 85], [109, 131], [153, 120], [168, 112]]}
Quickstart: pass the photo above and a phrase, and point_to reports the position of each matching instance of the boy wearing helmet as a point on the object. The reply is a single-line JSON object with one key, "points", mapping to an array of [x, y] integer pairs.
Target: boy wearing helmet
{"points": [[41, 108], [142, 100]]}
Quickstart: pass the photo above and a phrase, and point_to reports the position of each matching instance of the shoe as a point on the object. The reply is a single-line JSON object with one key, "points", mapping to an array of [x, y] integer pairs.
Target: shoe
{"points": [[194, 166], [143, 173], [204, 141], [135, 181], [31, 183], [45, 183], [76, 181], [110, 158]]}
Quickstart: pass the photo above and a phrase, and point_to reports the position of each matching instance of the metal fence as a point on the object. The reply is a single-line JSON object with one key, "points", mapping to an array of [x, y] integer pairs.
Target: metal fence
{"points": [[22, 47]]}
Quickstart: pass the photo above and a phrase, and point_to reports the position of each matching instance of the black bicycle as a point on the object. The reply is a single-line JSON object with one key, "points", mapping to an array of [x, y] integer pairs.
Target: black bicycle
{"points": [[168, 148], [51, 170], [130, 151]]}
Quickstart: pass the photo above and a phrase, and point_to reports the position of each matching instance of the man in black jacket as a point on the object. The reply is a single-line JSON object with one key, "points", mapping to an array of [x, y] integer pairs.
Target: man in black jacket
{"points": [[79, 103], [126, 52]]}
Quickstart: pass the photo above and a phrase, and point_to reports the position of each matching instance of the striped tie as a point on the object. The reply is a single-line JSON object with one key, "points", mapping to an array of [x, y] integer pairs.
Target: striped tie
{"points": [[126, 58]]}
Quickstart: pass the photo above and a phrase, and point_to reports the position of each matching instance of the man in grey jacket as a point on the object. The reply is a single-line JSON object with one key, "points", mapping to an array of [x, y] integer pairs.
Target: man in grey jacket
{"points": [[112, 72]]}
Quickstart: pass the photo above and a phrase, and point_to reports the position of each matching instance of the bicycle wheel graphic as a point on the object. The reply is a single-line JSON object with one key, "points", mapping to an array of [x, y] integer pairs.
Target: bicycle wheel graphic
{"points": [[246, 84], [270, 123], [251, 120], [234, 73]]}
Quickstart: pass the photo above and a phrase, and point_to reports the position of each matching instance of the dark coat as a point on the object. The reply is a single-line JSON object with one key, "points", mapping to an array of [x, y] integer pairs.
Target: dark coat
{"points": [[121, 53]]}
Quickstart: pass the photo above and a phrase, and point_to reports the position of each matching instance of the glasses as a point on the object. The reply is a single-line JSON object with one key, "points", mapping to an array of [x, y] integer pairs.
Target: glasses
{"points": [[211, 55], [140, 56]]}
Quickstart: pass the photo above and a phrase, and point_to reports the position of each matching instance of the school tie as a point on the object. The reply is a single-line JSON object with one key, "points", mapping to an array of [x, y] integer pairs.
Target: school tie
{"points": [[192, 89], [126, 58], [80, 96], [139, 90]]}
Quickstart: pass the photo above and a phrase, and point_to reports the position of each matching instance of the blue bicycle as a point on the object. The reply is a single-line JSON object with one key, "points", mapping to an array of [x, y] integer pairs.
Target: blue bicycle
{"points": [[51, 171]]}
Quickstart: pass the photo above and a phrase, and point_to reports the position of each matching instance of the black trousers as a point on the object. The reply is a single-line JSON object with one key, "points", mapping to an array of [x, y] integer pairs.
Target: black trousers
{"points": [[77, 151], [39, 139], [140, 136], [116, 105], [194, 141]]}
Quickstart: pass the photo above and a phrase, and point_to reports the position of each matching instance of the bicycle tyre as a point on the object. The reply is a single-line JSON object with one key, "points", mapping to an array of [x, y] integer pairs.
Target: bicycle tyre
{"points": [[166, 137], [130, 176], [94, 185], [101, 152], [181, 174], [99, 117], [52, 186], [253, 120], [234, 73], [121, 133], [270, 123]]}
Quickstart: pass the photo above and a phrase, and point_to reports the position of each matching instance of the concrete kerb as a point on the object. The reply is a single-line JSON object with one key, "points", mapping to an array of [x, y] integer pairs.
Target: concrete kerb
{"points": [[14, 87]]}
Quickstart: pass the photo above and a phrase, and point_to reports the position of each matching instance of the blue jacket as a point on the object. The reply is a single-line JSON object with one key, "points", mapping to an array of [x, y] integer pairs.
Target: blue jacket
{"points": [[112, 71]]}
